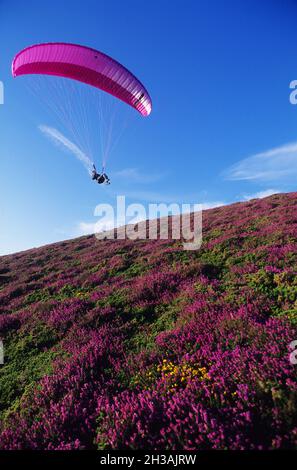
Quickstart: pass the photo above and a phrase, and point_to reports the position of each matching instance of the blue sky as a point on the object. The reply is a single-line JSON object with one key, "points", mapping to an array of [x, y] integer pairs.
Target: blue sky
{"points": [[222, 127]]}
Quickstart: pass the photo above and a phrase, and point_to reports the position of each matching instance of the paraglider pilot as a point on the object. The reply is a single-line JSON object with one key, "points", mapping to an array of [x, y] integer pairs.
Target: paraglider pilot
{"points": [[100, 177]]}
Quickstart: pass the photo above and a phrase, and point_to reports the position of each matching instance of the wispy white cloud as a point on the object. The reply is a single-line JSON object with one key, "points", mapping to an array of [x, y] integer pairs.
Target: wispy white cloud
{"points": [[88, 228], [59, 139], [85, 228], [135, 176], [260, 194], [277, 164]]}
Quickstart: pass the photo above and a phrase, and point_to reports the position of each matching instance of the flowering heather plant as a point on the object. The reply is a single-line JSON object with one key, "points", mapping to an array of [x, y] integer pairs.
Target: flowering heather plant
{"points": [[141, 345]]}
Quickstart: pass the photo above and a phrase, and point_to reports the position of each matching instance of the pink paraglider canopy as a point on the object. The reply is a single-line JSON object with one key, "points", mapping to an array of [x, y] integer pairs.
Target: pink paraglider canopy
{"points": [[85, 65]]}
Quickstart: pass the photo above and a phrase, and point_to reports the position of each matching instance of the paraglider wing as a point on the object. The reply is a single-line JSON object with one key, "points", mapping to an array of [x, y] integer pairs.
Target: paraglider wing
{"points": [[85, 65]]}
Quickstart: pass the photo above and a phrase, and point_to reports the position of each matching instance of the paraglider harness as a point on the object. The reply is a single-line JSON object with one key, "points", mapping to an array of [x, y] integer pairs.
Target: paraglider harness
{"points": [[101, 178]]}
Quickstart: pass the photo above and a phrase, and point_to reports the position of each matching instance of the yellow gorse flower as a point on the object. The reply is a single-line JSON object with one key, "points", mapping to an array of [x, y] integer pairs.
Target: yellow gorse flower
{"points": [[176, 374]]}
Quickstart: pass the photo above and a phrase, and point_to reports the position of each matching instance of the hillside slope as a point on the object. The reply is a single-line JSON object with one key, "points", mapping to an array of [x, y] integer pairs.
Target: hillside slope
{"points": [[122, 344]]}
